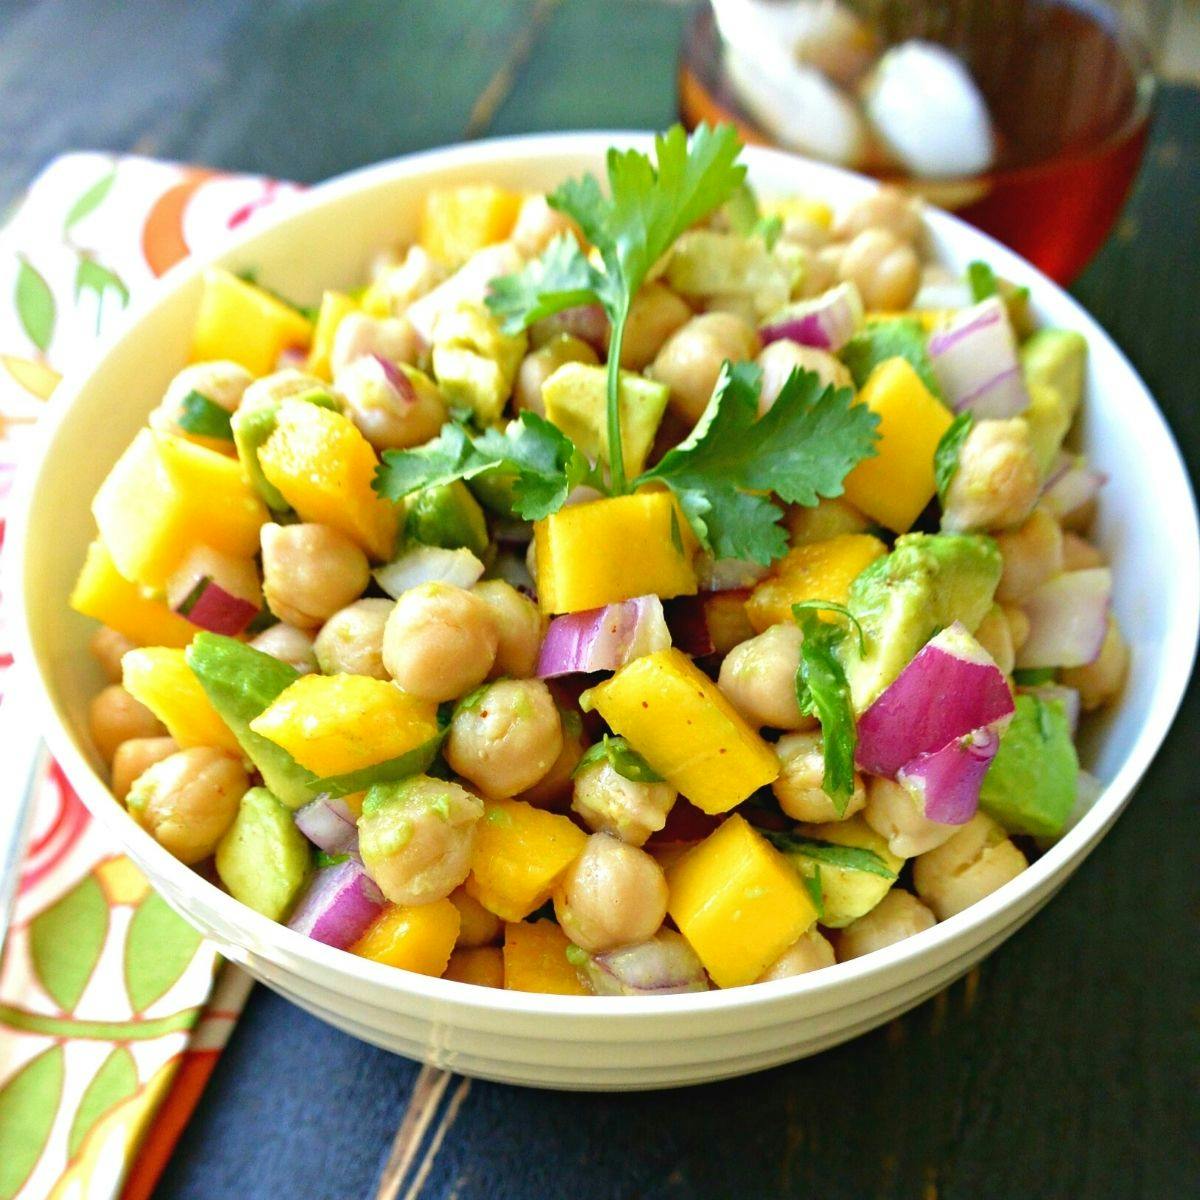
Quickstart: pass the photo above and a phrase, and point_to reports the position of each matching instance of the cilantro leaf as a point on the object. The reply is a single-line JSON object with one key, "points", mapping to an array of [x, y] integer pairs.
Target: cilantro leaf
{"points": [[832, 854], [623, 759], [647, 207], [945, 457], [561, 278], [982, 280], [204, 417], [544, 463], [823, 691], [812, 885], [893, 337], [802, 449]]}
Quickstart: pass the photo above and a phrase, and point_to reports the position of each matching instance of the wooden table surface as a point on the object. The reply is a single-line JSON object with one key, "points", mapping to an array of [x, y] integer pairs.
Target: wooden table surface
{"points": [[1066, 1068]]}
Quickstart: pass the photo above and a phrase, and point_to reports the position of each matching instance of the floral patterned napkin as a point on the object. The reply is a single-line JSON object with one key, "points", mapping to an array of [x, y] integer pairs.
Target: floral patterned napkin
{"points": [[110, 1022]]}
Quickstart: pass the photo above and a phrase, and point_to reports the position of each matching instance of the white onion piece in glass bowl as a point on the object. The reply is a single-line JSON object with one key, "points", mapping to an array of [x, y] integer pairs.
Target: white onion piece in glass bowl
{"points": [[975, 361], [1068, 618], [429, 564], [929, 113]]}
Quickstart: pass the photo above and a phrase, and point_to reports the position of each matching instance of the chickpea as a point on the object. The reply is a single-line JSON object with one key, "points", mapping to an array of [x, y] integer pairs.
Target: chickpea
{"points": [[995, 636], [810, 953], [415, 837], [351, 641], [609, 803], [655, 314], [889, 209], [357, 334], [538, 225], [894, 813], [115, 716], [310, 572], [799, 786], [801, 229], [410, 279], [394, 407], [612, 895], [1077, 554], [997, 481], [553, 790], [477, 926], [690, 359], [780, 359], [520, 627], [187, 801], [507, 739], [821, 271], [223, 383], [108, 647], [1018, 625], [288, 644], [537, 366], [977, 860], [897, 916], [1100, 681], [1032, 554], [759, 678], [885, 269], [135, 757], [439, 642]]}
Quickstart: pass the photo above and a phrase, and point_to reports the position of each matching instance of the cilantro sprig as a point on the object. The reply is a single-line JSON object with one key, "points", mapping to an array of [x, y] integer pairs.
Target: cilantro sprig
{"points": [[832, 854], [647, 207], [949, 447], [623, 759], [824, 692]]}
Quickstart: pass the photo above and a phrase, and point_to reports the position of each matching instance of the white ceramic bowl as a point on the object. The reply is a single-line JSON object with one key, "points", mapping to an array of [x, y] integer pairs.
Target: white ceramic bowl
{"points": [[326, 239]]}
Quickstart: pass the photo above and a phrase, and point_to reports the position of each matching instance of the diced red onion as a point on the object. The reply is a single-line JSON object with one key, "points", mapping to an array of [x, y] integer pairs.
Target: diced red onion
{"points": [[688, 622], [400, 382], [950, 689], [975, 360], [728, 574], [827, 321], [209, 606], [329, 824], [946, 782], [1068, 697], [1068, 618], [429, 564], [291, 357], [603, 639], [664, 966], [338, 905], [1071, 485]]}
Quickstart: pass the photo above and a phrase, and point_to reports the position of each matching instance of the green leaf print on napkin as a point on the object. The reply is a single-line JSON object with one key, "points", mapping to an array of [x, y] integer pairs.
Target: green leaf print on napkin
{"points": [[28, 1105], [158, 949], [35, 305], [116, 1080], [89, 201], [92, 276], [65, 941]]}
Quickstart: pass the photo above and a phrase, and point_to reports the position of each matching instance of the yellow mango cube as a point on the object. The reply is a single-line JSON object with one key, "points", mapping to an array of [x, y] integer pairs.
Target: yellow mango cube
{"points": [[324, 467], [816, 212], [520, 852], [727, 620], [480, 965], [160, 678], [335, 724], [610, 550], [814, 571], [245, 324], [334, 307], [896, 485], [458, 221], [416, 938], [166, 495], [102, 592], [739, 903], [535, 960], [680, 722], [479, 927]]}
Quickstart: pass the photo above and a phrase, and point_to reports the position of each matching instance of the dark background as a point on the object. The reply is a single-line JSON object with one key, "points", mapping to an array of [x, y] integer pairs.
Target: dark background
{"points": [[1066, 1069]]}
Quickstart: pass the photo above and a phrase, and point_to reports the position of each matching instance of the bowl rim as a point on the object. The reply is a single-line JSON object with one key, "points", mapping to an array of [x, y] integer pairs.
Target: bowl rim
{"points": [[1039, 879]]}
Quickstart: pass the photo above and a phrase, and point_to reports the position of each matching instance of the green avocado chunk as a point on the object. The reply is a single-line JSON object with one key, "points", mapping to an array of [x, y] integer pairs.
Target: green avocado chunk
{"points": [[252, 424], [241, 682], [263, 860], [447, 515], [1053, 362], [929, 581], [1030, 786]]}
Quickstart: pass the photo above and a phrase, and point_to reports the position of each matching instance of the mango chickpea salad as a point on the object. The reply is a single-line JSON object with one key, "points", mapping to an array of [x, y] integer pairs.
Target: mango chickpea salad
{"points": [[631, 590]]}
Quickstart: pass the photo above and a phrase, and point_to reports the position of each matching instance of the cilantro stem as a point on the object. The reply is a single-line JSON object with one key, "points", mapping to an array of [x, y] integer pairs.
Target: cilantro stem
{"points": [[617, 484]]}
